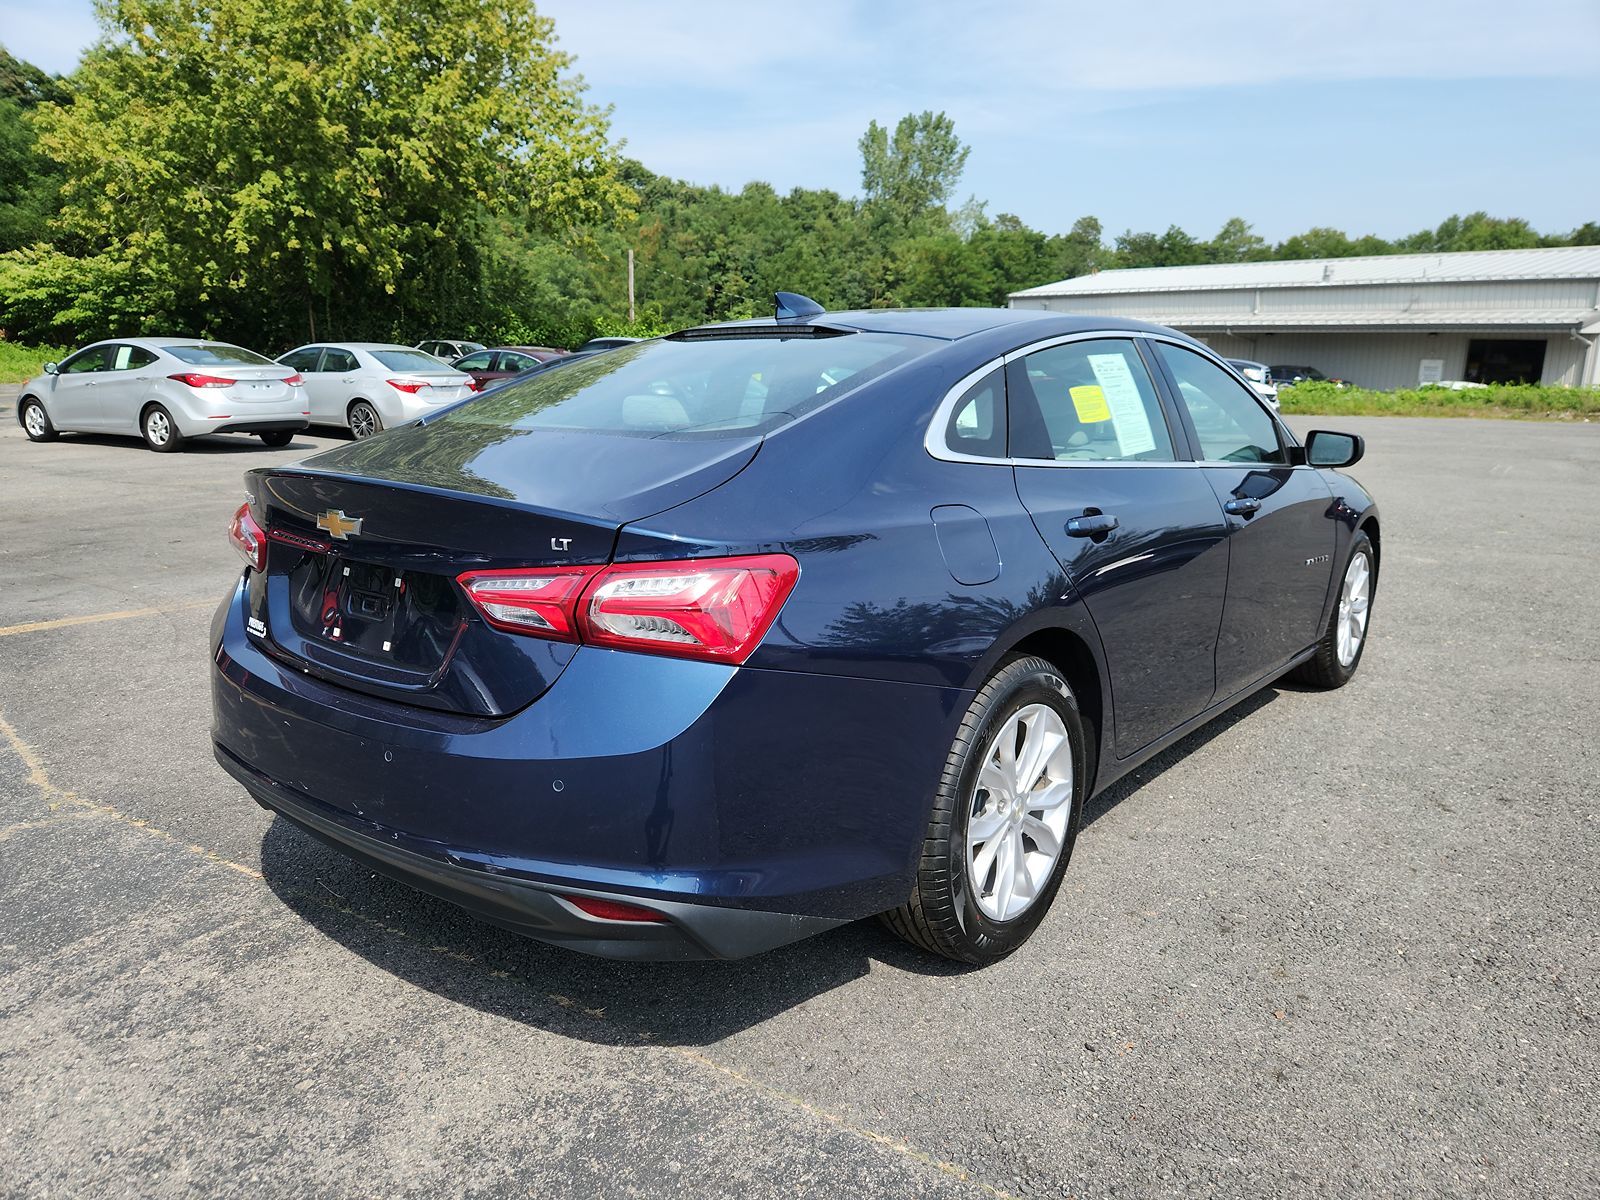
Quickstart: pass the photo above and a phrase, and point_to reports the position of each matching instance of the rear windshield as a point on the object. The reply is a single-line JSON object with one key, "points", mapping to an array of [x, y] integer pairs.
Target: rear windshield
{"points": [[217, 354], [728, 386], [409, 360]]}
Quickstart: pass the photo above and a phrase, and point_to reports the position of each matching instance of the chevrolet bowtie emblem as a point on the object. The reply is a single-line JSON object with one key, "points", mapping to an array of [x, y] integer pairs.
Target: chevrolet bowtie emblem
{"points": [[338, 525]]}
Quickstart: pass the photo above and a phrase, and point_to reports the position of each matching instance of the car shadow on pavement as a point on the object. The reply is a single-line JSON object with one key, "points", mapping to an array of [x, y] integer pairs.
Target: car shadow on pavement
{"points": [[431, 944], [217, 443]]}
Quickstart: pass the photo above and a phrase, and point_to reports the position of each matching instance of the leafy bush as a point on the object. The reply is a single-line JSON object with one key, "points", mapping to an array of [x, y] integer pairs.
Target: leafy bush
{"points": [[1498, 400]]}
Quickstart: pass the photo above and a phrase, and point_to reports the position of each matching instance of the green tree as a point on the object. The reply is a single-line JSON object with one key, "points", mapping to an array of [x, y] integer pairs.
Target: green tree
{"points": [[1323, 242], [267, 167], [910, 175], [1236, 242], [1475, 231], [29, 182]]}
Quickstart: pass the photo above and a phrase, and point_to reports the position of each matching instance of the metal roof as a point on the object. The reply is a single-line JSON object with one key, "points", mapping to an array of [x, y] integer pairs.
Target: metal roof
{"points": [[1348, 319], [1565, 262]]}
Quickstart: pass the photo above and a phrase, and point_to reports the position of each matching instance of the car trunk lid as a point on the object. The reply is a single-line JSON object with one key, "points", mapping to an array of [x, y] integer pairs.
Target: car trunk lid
{"points": [[366, 543]]}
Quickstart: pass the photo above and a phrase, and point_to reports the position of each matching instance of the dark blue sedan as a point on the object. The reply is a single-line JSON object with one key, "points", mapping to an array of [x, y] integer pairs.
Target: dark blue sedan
{"points": [[714, 641]]}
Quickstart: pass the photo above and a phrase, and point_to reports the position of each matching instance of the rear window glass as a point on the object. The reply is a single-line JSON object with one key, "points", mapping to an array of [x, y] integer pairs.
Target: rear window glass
{"points": [[719, 386], [217, 354], [409, 360]]}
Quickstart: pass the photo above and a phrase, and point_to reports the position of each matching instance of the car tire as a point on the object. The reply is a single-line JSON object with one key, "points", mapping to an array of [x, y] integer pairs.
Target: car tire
{"points": [[364, 420], [159, 430], [276, 439], [959, 906], [35, 421], [1343, 642]]}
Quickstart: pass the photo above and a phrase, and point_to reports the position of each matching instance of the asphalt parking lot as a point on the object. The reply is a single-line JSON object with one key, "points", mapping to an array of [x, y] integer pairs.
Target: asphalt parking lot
{"points": [[1335, 944]]}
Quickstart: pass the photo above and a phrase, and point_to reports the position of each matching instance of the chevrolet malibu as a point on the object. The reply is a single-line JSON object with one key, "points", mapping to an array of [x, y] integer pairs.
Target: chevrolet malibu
{"points": [[164, 390], [715, 641]]}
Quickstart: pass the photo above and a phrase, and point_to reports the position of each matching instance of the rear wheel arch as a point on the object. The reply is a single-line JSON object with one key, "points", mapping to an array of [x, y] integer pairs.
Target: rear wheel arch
{"points": [[1070, 654]]}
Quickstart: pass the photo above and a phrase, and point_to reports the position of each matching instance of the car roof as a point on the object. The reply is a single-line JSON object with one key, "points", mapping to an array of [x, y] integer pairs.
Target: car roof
{"points": [[159, 343], [350, 346], [952, 324]]}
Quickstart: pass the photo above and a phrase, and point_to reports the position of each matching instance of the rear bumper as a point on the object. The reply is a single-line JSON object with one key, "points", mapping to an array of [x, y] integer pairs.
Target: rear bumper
{"points": [[750, 807], [264, 425], [689, 931]]}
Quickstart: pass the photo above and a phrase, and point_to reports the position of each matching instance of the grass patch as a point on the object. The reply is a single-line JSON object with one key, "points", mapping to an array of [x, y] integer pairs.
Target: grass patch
{"points": [[18, 363], [1523, 401]]}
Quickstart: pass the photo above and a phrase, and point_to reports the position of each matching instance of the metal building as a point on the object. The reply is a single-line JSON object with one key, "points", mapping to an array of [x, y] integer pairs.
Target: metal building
{"points": [[1388, 321]]}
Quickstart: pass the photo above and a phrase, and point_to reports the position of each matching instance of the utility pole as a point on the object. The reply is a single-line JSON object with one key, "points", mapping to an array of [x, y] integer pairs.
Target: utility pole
{"points": [[630, 285]]}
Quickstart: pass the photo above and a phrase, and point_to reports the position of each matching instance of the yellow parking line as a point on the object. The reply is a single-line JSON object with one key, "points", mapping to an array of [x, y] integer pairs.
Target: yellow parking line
{"points": [[54, 796], [95, 618]]}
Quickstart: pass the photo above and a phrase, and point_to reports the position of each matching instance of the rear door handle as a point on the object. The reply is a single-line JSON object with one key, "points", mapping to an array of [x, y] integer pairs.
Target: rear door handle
{"points": [[1091, 525], [1244, 506]]}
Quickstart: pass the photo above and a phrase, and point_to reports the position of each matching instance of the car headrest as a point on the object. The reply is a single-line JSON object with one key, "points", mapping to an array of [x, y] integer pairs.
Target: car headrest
{"points": [[654, 412]]}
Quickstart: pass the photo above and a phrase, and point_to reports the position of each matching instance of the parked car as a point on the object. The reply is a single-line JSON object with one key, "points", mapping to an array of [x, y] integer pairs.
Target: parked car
{"points": [[766, 627], [368, 387], [491, 365], [164, 390], [1258, 376], [1287, 376], [605, 343], [448, 350]]}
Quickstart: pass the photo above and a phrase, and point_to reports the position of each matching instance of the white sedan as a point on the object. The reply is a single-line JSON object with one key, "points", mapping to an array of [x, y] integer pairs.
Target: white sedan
{"points": [[164, 390], [368, 387]]}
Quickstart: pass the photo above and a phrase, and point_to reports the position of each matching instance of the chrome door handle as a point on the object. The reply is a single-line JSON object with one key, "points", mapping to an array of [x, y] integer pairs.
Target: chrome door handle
{"points": [[1091, 525], [1243, 506]]}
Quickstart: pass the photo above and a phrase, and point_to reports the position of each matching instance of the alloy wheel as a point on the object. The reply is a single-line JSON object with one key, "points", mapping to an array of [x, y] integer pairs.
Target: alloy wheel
{"points": [[1021, 804], [363, 421], [33, 420], [1354, 597], [157, 427]]}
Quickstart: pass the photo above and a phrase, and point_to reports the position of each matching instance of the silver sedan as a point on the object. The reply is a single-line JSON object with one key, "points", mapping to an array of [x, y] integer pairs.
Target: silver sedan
{"points": [[164, 390], [368, 387]]}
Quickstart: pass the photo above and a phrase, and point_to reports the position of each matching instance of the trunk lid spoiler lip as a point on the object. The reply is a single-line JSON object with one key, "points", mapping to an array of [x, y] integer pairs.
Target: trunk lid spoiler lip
{"points": [[650, 500]]}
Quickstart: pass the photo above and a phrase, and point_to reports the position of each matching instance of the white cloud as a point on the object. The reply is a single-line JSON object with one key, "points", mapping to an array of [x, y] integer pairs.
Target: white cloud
{"points": [[978, 47]]}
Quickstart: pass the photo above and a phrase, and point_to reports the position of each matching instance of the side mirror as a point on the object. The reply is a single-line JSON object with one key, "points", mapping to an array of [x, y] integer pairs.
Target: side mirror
{"points": [[1324, 448], [51, 368]]}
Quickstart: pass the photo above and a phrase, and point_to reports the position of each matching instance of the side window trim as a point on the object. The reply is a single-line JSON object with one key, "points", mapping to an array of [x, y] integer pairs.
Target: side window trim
{"points": [[1184, 443], [1287, 442]]}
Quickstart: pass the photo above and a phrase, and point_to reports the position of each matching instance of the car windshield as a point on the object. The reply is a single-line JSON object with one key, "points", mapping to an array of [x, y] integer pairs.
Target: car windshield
{"points": [[409, 360], [217, 354], [726, 386]]}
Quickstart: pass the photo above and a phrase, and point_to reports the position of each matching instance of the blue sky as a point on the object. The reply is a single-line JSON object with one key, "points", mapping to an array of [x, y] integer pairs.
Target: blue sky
{"points": [[1396, 114]]}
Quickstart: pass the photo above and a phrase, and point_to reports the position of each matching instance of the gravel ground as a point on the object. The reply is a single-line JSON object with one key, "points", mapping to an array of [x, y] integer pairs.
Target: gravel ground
{"points": [[1332, 945]]}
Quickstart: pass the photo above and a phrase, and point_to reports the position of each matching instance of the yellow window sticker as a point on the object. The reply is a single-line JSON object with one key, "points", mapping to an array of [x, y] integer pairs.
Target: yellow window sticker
{"points": [[1090, 401]]}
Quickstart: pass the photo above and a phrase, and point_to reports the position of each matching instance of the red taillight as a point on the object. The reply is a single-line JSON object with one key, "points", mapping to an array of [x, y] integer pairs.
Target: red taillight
{"points": [[196, 380], [614, 910], [539, 600], [248, 539], [412, 386], [473, 385], [710, 608], [715, 609], [295, 380]]}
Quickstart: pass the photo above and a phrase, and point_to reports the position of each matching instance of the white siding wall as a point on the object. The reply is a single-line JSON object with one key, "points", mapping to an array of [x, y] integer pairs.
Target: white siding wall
{"points": [[1372, 359], [1388, 360]]}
